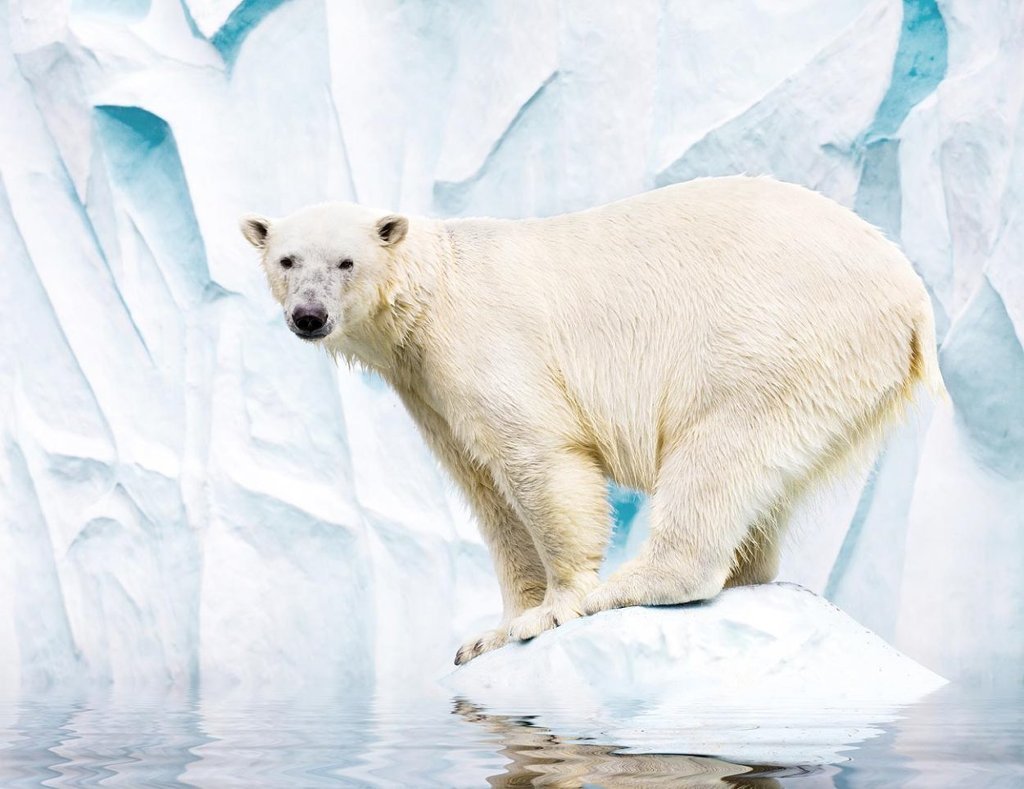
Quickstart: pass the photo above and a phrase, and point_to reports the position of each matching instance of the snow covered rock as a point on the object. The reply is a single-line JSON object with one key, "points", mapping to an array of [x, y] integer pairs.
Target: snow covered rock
{"points": [[767, 674], [756, 645]]}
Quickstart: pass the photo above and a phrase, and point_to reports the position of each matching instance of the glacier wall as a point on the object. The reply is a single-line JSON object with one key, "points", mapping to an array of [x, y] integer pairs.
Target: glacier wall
{"points": [[192, 498]]}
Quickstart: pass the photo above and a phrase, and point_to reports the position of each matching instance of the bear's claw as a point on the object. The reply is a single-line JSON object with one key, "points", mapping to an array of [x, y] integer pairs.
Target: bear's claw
{"points": [[474, 647]]}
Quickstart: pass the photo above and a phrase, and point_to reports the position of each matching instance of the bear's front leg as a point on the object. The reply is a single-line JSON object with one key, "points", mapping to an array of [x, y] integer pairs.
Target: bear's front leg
{"points": [[563, 499], [521, 575]]}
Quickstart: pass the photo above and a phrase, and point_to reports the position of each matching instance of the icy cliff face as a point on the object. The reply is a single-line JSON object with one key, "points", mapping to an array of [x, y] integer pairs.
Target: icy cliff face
{"points": [[189, 494]]}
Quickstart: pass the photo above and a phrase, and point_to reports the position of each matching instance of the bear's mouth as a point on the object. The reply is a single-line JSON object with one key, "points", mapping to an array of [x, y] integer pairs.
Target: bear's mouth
{"points": [[312, 336]]}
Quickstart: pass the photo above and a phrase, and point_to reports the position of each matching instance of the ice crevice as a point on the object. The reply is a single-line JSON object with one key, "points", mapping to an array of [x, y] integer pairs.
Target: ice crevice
{"points": [[245, 16], [452, 197], [918, 68]]}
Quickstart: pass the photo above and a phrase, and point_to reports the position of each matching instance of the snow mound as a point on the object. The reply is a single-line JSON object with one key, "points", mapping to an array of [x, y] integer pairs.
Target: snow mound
{"points": [[759, 645], [763, 675]]}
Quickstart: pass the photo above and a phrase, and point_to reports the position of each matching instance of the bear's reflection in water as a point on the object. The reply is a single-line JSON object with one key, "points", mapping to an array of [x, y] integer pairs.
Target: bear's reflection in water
{"points": [[537, 757]]}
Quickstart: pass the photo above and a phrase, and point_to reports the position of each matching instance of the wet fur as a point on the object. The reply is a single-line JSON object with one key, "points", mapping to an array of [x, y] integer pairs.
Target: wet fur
{"points": [[726, 345]]}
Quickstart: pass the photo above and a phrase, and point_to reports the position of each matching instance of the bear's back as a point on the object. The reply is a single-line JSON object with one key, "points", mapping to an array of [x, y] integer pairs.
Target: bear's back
{"points": [[717, 290]]}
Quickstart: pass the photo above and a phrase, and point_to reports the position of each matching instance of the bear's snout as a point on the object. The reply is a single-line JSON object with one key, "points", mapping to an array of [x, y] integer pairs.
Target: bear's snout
{"points": [[309, 320]]}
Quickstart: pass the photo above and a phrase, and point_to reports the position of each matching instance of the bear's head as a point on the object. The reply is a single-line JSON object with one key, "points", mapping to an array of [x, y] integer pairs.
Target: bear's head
{"points": [[327, 265]]}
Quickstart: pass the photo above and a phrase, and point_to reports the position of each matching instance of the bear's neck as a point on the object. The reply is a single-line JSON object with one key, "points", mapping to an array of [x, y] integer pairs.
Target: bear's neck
{"points": [[391, 341]]}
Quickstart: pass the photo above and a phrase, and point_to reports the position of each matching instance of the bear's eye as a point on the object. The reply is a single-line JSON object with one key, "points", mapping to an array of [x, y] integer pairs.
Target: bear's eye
{"points": [[287, 262], [346, 264]]}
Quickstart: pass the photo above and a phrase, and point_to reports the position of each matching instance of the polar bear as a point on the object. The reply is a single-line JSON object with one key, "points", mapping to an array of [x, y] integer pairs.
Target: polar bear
{"points": [[723, 345]]}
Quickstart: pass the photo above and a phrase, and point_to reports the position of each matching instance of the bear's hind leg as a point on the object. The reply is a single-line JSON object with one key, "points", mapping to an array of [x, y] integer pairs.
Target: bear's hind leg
{"points": [[757, 558], [710, 488]]}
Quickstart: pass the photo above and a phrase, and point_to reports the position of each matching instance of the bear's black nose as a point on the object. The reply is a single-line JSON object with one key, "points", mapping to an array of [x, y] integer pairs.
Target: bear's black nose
{"points": [[309, 318]]}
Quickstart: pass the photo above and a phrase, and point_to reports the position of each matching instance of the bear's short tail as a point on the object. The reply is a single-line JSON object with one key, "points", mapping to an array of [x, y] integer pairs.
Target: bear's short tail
{"points": [[924, 357]]}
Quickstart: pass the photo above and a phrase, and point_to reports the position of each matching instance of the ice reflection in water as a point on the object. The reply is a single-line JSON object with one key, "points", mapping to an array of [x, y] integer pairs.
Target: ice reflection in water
{"points": [[536, 757], [450, 743], [443, 742]]}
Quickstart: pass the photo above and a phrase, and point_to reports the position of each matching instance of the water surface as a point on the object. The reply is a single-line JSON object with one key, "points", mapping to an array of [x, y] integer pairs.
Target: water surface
{"points": [[950, 739]]}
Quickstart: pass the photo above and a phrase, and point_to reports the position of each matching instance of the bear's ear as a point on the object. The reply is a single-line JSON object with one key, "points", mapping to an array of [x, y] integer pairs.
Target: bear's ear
{"points": [[391, 229], [255, 229]]}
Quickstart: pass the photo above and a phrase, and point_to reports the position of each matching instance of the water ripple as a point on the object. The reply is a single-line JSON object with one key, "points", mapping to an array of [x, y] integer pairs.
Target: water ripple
{"points": [[948, 739]]}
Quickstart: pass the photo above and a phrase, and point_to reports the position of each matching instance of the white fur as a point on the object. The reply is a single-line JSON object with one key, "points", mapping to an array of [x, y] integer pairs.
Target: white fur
{"points": [[722, 345]]}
